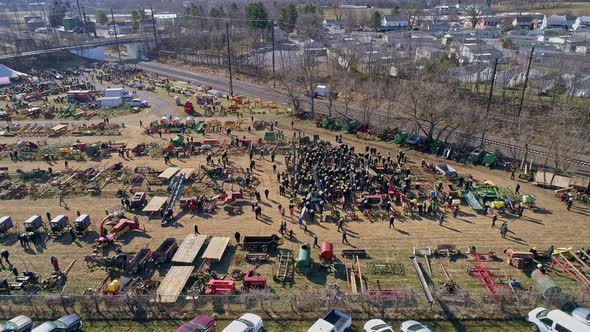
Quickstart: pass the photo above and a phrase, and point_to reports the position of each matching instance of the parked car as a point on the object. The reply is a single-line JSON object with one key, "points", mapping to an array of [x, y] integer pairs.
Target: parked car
{"points": [[200, 323], [414, 326], [377, 325], [582, 314], [67, 323], [333, 321], [543, 320], [20, 323], [138, 103], [246, 323]]}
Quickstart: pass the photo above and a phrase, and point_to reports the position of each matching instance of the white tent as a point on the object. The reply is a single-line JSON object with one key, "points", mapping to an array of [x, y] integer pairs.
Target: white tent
{"points": [[11, 73]]}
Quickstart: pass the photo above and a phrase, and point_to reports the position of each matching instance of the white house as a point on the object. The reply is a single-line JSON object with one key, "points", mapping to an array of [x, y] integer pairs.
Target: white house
{"points": [[554, 21], [581, 23], [390, 22], [479, 53], [333, 24]]}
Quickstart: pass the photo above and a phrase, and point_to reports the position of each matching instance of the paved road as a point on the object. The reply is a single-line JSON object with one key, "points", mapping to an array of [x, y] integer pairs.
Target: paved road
{"points": [[581, 163]]}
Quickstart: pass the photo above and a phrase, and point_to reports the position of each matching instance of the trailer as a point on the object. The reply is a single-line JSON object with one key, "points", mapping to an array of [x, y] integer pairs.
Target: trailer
{"points": [[165, 251], [138, 201], [446, 170], [173, 283], [138, 262], [112, 102], [262, 243], [252, 281], [189, 249], [33, 223], [58, 224], [215, 249], [5, 225], [81, 224]]}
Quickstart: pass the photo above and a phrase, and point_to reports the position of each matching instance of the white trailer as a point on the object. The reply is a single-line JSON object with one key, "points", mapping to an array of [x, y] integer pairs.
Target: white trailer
{"points": [[113, 102], [117, 92]]}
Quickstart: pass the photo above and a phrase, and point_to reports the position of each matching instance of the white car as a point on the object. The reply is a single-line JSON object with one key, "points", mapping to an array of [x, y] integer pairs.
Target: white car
{"points": [[582, 314], [138, 103], [543, 320], [414, 326], [246, 323], [377, 325]]}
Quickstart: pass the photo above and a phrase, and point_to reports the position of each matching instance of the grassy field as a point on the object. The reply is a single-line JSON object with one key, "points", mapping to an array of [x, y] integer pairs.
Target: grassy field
{"points": [[570, 8], [330, 13], [272, 326]]}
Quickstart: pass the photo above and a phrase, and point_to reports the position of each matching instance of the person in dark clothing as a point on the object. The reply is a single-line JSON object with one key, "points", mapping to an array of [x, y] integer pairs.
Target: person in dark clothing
{"points": [[237, 236], [197, 229], [494, 219], [48, 216], [504, 230], [517, 189], [340, 224], [266, 192], [4, 253], [550, 251], [344, 239], [391, 222], [315, 241]]}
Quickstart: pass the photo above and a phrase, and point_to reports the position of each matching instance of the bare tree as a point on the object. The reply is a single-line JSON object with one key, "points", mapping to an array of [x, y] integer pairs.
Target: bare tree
{"points": [[289, 77], [435, 109]]}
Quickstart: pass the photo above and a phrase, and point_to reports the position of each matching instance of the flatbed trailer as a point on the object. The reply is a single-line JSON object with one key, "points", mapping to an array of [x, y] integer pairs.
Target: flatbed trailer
{"points": [[261, 243], [189, 249]]}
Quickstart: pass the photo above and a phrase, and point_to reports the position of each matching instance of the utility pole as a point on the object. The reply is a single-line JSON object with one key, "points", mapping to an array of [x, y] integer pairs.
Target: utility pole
{"points": [[86, 21], [154, 25], [485, 120], [272, 31], [231, 83], [116, 37], [526, 80], [80, 14]]}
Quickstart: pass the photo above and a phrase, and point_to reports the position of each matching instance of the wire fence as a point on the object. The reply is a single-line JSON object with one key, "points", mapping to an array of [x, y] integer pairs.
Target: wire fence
{"points": [[304, 304]]}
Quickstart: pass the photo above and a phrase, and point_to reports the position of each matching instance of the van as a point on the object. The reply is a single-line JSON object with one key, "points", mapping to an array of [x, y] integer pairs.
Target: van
{"points": [[543, 320]]}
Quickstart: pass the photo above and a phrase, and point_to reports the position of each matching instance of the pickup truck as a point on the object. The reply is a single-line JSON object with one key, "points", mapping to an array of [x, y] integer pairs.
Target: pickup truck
{"points": [[246, 323], [333, 321], [138, 103]]}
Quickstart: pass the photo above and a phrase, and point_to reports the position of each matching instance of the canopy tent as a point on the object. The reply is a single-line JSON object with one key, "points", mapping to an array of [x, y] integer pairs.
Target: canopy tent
{"points": [[10, 73], [4, 80]]}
